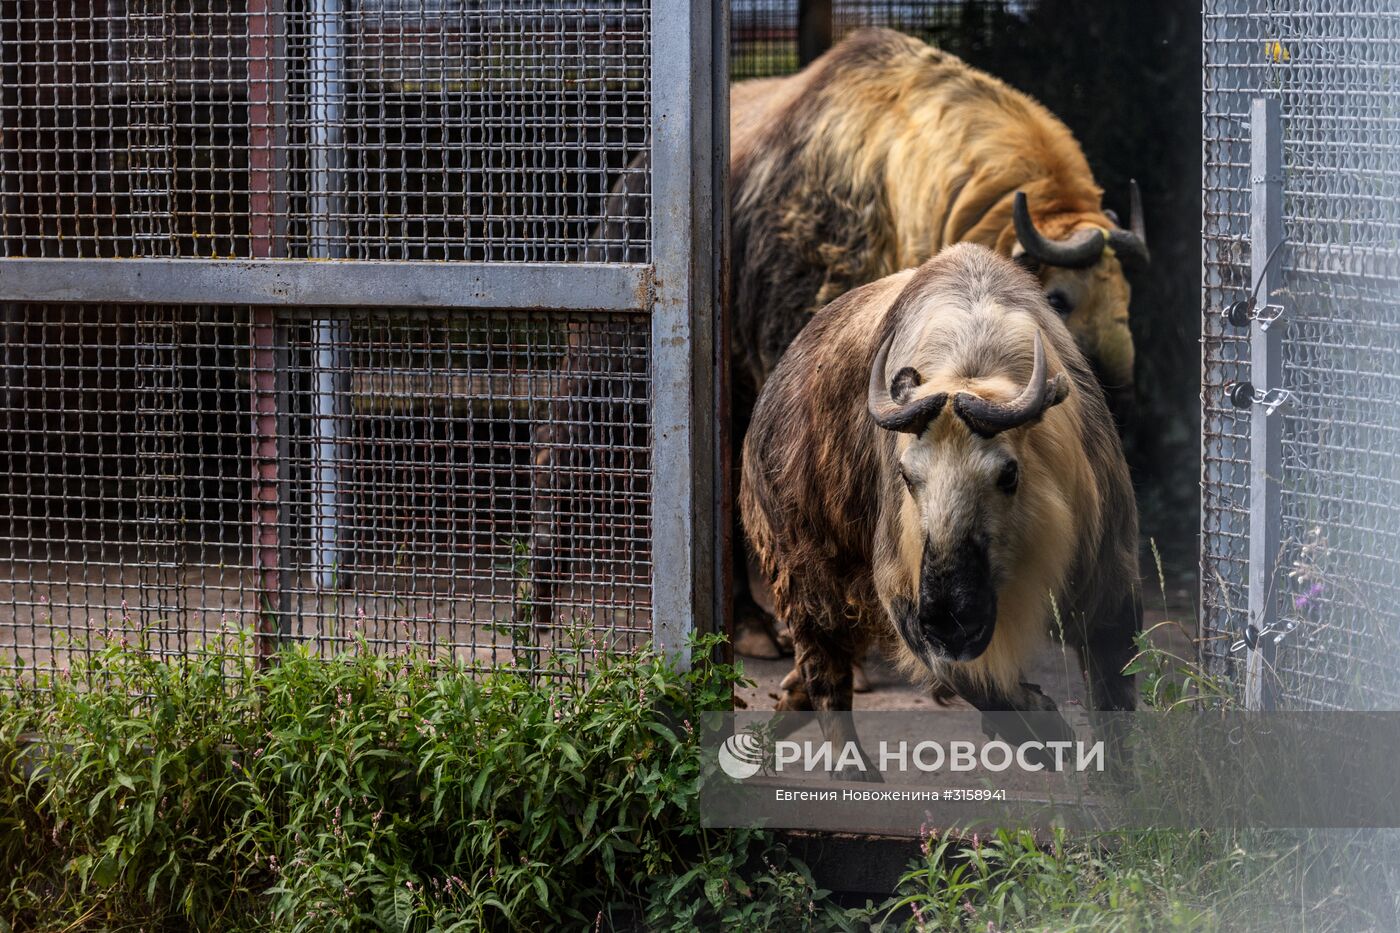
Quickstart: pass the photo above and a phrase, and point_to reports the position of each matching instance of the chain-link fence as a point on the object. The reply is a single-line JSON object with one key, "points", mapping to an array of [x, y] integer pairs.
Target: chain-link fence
{"points": [[305, 331], [1310, 618]]}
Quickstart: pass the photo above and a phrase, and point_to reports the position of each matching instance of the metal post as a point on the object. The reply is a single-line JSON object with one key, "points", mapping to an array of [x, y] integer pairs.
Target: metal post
{"points": [[685, 144], [725, 499], [1266, 373], [814, 31], [267, 149], [269, 456], [327, 113]]}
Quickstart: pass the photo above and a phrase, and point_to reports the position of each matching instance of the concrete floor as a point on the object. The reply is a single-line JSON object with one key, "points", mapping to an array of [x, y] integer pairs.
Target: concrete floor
{"points": [[1168, 617]]}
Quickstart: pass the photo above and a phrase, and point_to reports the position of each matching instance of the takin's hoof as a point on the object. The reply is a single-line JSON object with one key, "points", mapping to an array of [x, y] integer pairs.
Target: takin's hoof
{"points": [[869, 775], [794, 698], [1036, 699], [755, 634], [1031, 725], [859, 682], [756, 643]]}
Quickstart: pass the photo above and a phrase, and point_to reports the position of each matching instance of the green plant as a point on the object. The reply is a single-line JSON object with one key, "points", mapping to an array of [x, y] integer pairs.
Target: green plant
{"points": [[1147, 880], [396, 792]]}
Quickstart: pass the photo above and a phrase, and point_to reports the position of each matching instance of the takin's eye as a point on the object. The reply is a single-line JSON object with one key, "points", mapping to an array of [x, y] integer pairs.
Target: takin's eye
{"points": [[908, 480], [1009, 477], [1060, 302]]}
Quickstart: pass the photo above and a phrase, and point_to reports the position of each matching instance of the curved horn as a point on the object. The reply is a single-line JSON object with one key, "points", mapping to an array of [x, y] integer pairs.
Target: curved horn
{"points": [[1079, 251], [911, 418], [990, 418], [1131, 244]]}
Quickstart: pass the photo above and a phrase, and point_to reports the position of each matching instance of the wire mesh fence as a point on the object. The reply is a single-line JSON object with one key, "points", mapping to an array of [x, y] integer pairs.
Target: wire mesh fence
{"points": [[172, 472], [359, 129], [1336, 581], [764, 33], [470, 463]]}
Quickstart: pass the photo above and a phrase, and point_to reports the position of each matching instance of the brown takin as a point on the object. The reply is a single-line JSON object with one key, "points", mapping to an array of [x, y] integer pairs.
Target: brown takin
{"points": [[931, 465], [884, 151]]}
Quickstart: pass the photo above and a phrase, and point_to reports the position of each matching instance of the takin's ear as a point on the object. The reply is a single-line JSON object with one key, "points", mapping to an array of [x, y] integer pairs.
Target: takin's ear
{"points": [[1059, 391], [905, 381], [1025, 260]]}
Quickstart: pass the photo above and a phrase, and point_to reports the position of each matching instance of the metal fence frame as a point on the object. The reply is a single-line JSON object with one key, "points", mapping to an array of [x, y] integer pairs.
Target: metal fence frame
{"points": [[1300, 354], [679, 290]]}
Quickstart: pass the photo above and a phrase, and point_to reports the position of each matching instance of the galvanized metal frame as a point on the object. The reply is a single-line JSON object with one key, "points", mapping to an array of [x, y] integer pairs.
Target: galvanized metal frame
{"points": [[337, 283], [684, 251], [1300, 570], [1266, 424], [725, 494], [679, 289]]}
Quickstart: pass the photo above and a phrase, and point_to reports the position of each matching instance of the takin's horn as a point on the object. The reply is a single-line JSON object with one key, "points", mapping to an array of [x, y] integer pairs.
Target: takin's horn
{"points": [[1078, 252], [1131, 244], [1040, 394], [910, 417]]}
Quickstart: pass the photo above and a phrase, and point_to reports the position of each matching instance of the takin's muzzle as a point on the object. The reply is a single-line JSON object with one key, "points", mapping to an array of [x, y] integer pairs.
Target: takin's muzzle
{"points": [[957, 608]]}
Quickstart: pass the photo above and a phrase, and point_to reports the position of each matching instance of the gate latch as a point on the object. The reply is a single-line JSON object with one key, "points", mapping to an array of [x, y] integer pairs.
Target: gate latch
{"points": [[1243, 395], [1241, 313], [1253, 635]]}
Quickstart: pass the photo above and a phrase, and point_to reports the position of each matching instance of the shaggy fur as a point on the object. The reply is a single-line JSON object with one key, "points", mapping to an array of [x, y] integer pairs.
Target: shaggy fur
{"points": [[871, 160], [840, 536], [874, 158]]}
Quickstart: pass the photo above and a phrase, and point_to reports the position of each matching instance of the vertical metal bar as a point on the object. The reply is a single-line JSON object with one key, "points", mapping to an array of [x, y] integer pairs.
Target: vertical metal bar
{"points": [[266, 207], [269, 457], [326, 93], [11, 148], [326, 97], [1266, 373], [682, 351], [325, 454], [725, 500], [814, 31], [267, 128]]}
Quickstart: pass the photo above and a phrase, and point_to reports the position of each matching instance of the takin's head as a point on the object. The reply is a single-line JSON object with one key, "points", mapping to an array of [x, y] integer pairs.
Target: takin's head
{"points": [[1081, 264], [981, 513]]}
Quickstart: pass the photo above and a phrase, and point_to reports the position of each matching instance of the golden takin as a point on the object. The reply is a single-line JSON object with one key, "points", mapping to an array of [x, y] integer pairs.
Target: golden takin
{"points": [[932, 466], [872, 159]]}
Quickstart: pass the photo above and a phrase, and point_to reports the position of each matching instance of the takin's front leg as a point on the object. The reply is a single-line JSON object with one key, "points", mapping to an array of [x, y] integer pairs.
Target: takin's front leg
{"points": [[821, 681], [1105, 650], [1002, 711]]}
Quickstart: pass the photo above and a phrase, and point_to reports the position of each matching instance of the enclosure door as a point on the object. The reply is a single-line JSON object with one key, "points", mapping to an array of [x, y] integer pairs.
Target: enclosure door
{"points": [[359, 319]]}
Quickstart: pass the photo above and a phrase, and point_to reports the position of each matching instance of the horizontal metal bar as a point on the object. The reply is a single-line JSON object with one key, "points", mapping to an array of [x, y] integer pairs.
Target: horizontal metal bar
{"points": [[330, 283]]}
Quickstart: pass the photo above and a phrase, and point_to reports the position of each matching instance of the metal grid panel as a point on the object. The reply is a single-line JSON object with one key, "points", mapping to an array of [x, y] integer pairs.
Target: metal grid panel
{"points": [[1338, 583], [359, 129], [763, 38], [167, 471], [763, 34]]}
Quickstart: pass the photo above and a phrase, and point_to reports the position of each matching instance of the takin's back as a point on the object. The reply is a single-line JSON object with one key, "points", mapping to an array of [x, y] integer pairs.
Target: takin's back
{"points": [[869, 161]]}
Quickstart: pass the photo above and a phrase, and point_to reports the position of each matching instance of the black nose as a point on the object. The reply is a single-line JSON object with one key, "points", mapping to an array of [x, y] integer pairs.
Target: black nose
{"points": [[957, 611], [960, 634]]}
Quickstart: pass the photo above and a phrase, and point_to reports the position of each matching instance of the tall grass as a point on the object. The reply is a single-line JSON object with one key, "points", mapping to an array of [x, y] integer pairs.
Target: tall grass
{"points": [[399, 792], [1213, 880], [372, 792]]}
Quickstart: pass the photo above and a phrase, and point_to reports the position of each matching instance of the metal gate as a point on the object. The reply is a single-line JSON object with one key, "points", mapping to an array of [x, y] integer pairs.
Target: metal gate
{"points": [[1300, 534], [339, 318]]}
